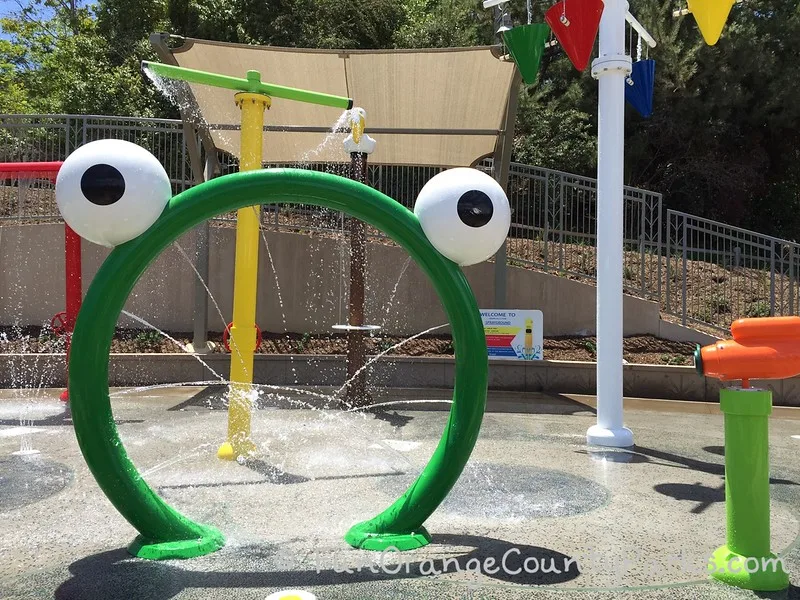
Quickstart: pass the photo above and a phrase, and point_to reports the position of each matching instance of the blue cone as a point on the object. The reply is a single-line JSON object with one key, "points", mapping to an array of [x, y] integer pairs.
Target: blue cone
{"points": [[640, 94]]}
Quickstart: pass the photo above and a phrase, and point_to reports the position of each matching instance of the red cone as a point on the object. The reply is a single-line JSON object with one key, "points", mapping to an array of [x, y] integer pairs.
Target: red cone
{"points": [[575, 24]]}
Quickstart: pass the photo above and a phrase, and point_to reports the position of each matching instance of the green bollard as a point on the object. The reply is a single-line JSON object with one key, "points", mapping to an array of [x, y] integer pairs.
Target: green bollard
{"points": [[746, 561]]}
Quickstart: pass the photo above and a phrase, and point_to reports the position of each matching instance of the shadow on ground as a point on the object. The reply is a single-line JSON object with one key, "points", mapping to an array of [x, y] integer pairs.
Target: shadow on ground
{"points": [[115, 575], [791, 593], [702, 496], [393, 418]]}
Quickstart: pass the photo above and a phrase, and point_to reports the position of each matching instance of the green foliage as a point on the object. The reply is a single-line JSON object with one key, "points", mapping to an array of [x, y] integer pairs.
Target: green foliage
{"points": [[383, 345], [758, 309], [724, 137], [555, 126], [300, 345], [442, 24], [291, 23], [65, 65], [13, 98], [125, 24], [82, 61], [718, 304], [672, 359], [46, 336], [553, 138], [148, 339], [628, 273]]}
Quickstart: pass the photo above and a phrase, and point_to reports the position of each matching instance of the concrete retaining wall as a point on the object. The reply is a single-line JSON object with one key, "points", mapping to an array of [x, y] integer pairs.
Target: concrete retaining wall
{"points": [[313, 291], [641, 381]]}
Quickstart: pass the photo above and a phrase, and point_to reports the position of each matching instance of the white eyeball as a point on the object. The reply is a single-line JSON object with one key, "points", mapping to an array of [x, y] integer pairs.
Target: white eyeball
{"points": [[465, 214], [111, 191]]}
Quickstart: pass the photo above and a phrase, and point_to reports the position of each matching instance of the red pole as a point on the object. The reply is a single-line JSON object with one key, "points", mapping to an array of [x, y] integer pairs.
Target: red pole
{"points": [[72, 250], [74, 287], [72, 244], [44, 170]]}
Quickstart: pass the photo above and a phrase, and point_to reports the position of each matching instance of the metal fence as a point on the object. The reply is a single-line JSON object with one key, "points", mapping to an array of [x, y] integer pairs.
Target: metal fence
{"points": [[705, 273], [400, 182], [27, 199], [553, 216], [29, 138], [716, 273], [554, 227]]}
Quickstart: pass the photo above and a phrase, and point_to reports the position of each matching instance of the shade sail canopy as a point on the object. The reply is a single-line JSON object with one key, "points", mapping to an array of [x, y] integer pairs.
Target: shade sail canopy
{"points": [[458, 95]]}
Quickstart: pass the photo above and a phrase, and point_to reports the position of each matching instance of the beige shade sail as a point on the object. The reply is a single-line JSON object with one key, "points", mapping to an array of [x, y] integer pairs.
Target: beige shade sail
{"points": [[458, 95]]}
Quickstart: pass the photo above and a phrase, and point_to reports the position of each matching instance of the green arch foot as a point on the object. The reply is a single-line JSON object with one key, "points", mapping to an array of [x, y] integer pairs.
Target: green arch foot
{"points": [[359, 537], [211, 541], [728, 567]]}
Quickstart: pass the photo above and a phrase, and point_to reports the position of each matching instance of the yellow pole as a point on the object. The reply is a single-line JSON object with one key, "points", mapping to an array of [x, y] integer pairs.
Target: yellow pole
{"points": [[245, 285]]}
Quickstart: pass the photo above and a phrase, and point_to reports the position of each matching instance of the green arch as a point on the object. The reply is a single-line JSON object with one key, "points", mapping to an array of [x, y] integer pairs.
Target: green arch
{"points": [[163, 531]]}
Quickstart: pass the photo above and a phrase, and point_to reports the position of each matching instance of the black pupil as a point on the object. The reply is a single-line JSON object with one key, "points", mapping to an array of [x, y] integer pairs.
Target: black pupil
{"points": [[475, 208], [102, 184]]}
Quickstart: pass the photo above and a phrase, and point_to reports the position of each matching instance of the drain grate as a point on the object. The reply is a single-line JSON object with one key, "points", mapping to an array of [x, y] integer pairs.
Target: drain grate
{"points": [[28, 479]]}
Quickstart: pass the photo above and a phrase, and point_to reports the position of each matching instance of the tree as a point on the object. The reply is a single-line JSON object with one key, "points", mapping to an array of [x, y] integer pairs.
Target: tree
{"points": [[126, 26], [722, 141], [62, 64], [443, 24], [13, 96]]}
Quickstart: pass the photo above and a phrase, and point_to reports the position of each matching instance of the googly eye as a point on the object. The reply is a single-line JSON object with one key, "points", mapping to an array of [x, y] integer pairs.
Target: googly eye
{"points": [[111, 191], [465, 215]]}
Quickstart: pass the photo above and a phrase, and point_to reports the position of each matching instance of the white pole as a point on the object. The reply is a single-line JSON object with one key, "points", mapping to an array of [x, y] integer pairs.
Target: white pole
{"points": [[610, 69]]}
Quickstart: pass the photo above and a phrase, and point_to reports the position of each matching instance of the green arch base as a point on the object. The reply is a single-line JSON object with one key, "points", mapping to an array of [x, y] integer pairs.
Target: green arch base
{"points": [[164, 532]]}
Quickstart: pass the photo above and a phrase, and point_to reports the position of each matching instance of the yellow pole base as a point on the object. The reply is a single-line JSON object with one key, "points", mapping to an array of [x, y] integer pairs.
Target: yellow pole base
{"points": [[239, 448], [240, 407]]}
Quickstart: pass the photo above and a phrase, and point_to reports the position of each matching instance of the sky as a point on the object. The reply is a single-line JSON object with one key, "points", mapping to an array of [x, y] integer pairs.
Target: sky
{"points": [[8, 7]]}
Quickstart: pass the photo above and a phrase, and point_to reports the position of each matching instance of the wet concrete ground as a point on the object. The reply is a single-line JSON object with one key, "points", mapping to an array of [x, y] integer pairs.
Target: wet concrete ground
{"points": [[594, 523]]}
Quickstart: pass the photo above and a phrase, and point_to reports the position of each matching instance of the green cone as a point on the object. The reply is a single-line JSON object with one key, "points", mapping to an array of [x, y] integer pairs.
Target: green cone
{"points": [[526, 44]]}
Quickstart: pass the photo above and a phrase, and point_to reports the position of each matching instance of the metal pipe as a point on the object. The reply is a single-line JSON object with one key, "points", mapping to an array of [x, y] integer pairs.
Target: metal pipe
{"points": [[356, 391], [640, 29], [251, 84]]}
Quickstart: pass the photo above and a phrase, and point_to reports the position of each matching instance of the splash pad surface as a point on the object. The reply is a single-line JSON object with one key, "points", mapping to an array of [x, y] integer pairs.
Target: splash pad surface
{"points": [[646, 519]]}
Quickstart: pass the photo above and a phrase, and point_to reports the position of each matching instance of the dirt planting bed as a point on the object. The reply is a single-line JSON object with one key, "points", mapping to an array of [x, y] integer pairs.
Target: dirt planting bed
{"points": [[640, 349]]}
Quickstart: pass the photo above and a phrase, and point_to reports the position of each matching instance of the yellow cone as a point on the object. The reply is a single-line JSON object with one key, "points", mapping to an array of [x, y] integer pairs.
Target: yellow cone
{"points": [[711, 16], [292, 595]]}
